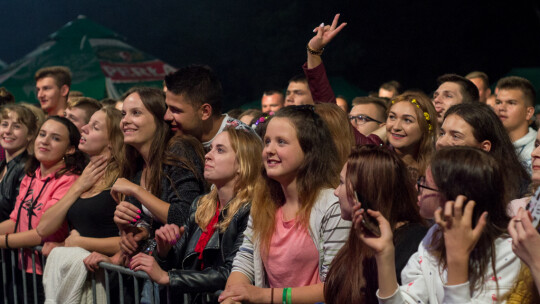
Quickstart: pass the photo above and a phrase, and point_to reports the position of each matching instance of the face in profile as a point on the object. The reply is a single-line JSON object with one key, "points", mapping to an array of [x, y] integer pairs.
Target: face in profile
{"points": [[95, 135], [77, 117], [345, 202], [221, 166], [429, 197], [50, 94], [536, 160], [182, 116]]}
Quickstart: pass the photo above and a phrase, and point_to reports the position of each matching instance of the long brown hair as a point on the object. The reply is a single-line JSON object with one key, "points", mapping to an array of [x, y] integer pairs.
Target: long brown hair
{"points": [[154, 101], [428, 126], [383, 180], [474, 173], [319, 170], [248, 149]]}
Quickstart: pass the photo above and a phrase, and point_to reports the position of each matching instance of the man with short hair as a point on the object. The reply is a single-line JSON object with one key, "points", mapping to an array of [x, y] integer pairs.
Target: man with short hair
{"points": [[80, 109], [453, 89], [194, 99], [481, 81], [272, 100], [390, 89], [514, 105], [298, 92], [52, 89], [368, 114]]}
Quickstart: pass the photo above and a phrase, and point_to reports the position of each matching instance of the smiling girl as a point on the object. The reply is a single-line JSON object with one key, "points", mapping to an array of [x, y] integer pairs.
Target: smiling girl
{"points": [[295, 228], [56, 164], [18, 128], [411, 128]]}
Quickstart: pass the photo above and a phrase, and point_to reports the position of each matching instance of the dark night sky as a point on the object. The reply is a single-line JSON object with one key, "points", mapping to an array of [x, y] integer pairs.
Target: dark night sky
{"points": [[254, 46]]}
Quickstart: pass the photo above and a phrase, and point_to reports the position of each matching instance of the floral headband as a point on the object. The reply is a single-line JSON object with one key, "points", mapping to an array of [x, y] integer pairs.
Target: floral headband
{"points": [[262, 119], [426, 114]]}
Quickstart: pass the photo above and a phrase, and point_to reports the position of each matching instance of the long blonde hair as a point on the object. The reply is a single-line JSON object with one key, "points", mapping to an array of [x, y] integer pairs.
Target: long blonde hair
{"points": [[248, 149], [116, 140]]}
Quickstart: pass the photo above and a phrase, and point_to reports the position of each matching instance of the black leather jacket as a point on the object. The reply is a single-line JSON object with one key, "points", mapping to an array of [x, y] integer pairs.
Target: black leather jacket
{"points": [[218, 255], [9, 186]]}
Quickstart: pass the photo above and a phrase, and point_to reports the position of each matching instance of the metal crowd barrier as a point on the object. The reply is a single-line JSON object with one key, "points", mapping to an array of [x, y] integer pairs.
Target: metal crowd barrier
{"points": [[106, 266]]}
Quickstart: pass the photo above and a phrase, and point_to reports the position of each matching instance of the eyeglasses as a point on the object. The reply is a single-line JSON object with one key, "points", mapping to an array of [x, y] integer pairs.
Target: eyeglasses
{"points": [[421, 184], [362, 119]]}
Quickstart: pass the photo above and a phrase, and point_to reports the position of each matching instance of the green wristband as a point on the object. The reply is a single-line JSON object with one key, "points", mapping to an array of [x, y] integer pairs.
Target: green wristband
{"points": [[284, 297], [289, 296]]}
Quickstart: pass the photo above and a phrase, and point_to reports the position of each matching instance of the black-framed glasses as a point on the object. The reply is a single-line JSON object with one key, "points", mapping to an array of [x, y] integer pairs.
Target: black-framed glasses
{"points": [[362, 119], [421, 184]]}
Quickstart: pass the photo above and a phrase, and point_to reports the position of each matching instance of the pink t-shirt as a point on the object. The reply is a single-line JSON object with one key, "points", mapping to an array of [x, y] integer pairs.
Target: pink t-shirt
{"points": [[51, 192], [293, 260]]}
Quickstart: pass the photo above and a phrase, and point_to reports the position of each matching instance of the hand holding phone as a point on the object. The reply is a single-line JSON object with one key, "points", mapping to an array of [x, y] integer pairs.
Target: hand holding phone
{"points": [[368, 222]]}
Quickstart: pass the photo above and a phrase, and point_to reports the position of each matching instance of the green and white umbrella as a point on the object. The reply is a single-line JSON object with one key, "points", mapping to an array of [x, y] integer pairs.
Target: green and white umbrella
{"points": [[101, 62]]}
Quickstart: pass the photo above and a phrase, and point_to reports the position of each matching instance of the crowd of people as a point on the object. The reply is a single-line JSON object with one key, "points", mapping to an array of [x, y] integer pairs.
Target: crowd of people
{"points": [[403, 198]]}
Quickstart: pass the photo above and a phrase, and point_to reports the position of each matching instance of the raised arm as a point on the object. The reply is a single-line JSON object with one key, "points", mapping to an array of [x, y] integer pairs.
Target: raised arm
{"points": [[323, 36], [314, 70]]}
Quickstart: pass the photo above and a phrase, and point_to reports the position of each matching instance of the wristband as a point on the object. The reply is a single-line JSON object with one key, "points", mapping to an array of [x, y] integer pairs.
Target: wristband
{"points": [[284, 297], [271, 295], [289, 296], [7, 244], [314, 52]]}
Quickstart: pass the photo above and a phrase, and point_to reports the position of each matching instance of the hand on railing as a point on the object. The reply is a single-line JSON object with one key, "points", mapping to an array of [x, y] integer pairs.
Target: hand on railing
{"points": [[91, 262], [166, 237], [147, 263]]}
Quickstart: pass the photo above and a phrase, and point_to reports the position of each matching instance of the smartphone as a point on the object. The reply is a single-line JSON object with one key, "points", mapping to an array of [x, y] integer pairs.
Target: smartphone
{"points": [[368, 221]]}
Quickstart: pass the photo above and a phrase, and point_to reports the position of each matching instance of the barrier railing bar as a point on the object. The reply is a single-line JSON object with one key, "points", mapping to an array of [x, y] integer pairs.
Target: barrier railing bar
{"points": [[4, 276], [23, 274], [34, 279], [120, 286], [107, 291], [94, 296], [13, 275], [136, 290]]}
